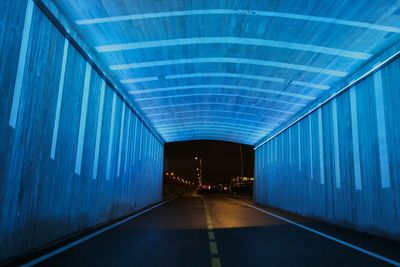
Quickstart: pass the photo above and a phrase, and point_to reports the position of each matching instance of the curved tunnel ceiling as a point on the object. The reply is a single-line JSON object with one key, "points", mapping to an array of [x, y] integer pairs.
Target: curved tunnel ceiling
{"points": [[231, 70]]}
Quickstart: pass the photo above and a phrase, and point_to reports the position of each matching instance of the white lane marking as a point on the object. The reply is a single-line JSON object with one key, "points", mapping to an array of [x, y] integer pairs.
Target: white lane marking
{"points": [[370, 253], [76, 242]]}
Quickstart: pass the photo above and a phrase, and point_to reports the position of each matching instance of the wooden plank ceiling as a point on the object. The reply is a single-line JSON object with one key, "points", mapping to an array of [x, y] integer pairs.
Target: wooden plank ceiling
{"points": [[231, 70]]}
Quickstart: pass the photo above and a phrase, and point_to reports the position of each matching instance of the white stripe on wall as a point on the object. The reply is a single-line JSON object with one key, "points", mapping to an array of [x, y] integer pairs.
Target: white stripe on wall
{"points": [[98, 130], [381, 126], [282, 154], [21, 64], [311, 148], [82, 124], [299, 144], [321, 148], [59, 100], [290, 146], [128, 138], [261, 156], [336, 144], [111, 136], [121, 138], [135, 134], [140, 140], [356, 146]]}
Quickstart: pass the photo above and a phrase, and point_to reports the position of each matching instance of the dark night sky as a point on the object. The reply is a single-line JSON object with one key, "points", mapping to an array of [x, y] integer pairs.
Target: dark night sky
{"points": [[221, 160]]}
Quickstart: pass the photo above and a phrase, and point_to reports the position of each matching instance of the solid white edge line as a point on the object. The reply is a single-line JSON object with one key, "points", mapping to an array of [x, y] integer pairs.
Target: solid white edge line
{"points": [[76, 242], [370, 253]]}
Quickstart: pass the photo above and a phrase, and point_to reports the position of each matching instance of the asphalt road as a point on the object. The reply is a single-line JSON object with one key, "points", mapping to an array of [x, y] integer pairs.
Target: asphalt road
{"points": [[215, 230]]}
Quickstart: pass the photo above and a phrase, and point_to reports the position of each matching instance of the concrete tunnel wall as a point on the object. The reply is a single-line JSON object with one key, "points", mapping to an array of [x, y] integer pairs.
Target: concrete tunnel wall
{"points": [[72, 153], [340, 163]]}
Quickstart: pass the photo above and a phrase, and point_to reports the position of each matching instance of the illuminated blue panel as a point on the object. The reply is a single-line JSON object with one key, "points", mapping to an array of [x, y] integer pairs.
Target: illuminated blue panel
{"points": [[135, 137], [290, 146], [21, 64], [140, 140], [321, 148], [230, 60], [233, 40], [121, 138], [220, 95], [82, 125], [212, 118], [299, 144], [128, 138], [284, 15], [381, 126], [336, 143], [196, 128], [216, 104], [265, 64], [59, 99], [139, 80], [227, 75], [216, 86], [311, 147], [111, 137], [98, 131], [356, 145]]}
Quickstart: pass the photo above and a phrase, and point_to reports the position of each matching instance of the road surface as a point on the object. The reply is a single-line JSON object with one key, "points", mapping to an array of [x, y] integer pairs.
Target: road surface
{"points": [[217, 230]]}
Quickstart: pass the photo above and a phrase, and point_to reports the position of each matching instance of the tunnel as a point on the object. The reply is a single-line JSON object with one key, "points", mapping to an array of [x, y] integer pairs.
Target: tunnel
{"points": [[92, 91]]}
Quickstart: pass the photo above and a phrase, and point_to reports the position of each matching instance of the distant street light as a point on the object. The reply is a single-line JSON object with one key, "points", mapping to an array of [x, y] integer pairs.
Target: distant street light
{"points": [[200, 170]]}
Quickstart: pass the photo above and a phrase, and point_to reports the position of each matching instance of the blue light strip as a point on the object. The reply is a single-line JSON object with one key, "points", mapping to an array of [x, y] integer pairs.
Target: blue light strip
{"points": [[199, 111], [196, 119], [355, 140], [226, 60], [240, 12], [321, 148], [139, 80], [217, 94], [128, 138], [21, 64], [213, 111], [195, 125], [82, 124], [216, 103], [111, 137], [220, 86], [381, 126], [290, 146], [213, 130], [121, 138], [192, 137], [210, 128], [207, 133], [135, 134], [299, 145], [224, 75], [311, 148], [59, 100], [310, 85], [236, 41], [98, 130], [245, 76], [141, 141], [336, 144]]}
